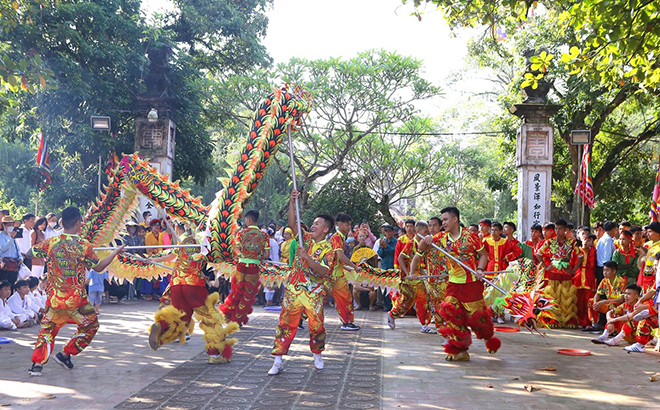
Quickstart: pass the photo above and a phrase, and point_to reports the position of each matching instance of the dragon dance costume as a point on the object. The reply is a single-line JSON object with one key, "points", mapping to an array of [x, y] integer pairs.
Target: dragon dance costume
{"points": [[251, 245], [338, 285], [189, 295], [412, 292], [464, 307], [558, 282], [67, 257], [304, 292]]}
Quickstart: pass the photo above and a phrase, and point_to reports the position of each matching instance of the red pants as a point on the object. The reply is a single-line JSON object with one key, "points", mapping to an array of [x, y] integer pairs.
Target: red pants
{"points": [[187, 298], [54, 320], [464, 306], [645, 327], [583, 297], [295, 302], [343, 298], [244, 288], [412, 293]]}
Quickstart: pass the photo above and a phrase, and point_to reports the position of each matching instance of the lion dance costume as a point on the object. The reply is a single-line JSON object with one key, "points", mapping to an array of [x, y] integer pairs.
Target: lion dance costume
{"points": [[558, 281], [189, 295], [464, 308]]}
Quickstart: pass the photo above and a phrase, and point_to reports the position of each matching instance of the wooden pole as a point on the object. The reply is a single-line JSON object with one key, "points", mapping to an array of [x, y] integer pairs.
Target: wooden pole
{"points": [[295, 187]]}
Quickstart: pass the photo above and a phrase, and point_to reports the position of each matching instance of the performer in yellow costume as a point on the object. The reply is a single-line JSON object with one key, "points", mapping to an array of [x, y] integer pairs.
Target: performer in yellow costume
{"points": [[305, 289]]}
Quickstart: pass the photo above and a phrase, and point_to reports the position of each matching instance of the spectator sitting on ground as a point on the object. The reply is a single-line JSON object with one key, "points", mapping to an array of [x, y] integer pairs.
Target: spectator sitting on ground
{"points": [[35, 302], [620, 320], [8, 320], [608, 295], [20, 304]]}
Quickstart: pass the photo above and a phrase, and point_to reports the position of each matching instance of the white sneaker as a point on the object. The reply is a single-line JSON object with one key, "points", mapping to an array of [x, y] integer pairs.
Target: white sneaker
{"points": [[500, 320], [613, 342], [276, 369], [635, 348], [599, 340], [426, 329], [318, 361], [390, 321]]}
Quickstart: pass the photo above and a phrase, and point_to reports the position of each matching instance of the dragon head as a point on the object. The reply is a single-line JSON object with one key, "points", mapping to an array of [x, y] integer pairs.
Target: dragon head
{"points": [[527, 307]]}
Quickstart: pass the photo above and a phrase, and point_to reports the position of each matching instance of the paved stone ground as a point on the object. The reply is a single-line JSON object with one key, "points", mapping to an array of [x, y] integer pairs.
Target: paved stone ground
{"points": [[119, 370], [351, 378]]}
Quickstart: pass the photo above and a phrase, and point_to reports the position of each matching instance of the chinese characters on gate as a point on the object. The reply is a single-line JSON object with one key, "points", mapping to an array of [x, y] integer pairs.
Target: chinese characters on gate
{"points": [[536, 203]]}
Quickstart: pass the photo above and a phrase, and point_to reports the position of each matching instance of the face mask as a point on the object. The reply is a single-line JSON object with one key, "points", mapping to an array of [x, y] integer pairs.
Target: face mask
{"points": [[9, 229], [52, 224]]}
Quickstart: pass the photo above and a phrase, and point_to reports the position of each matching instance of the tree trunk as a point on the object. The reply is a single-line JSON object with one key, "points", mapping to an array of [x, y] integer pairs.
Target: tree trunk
{"points": [[384, 208]]}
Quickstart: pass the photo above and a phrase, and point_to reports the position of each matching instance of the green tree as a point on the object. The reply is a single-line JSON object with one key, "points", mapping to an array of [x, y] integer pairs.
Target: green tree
{"points": [[345, 195], [623, 119], [400, 165], [97, 51]]}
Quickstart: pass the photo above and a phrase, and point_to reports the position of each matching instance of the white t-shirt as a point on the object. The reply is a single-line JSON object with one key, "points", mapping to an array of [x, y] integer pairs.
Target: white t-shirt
{"points": [[5, 310], [24, 243], [274, 250], [20, 306]]}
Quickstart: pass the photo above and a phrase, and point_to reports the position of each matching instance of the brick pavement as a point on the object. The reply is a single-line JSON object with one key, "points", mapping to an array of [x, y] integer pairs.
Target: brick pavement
{"points": [[119, 366]]}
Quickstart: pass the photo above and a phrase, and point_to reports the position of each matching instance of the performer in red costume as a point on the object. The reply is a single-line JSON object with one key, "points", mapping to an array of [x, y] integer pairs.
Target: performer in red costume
{"points": [[585, 277], [250, 247], [556, 255], [337, 284], [412, 291], [464, 307], [436, 267], [67, 257], [403, 240]]}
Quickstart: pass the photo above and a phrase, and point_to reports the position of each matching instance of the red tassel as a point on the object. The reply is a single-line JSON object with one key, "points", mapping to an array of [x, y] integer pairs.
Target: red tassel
{"points": [[453, 314], [493, 344], [481, 324], [227, 352], [459, 340]]}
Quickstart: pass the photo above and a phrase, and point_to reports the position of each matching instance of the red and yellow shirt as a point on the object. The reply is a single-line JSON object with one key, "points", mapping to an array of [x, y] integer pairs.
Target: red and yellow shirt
{"points": [[301, 275], [251, 244], [188, 267], [465, 248], [337, 241], [612, 289], [68, 257], [558, 254]]}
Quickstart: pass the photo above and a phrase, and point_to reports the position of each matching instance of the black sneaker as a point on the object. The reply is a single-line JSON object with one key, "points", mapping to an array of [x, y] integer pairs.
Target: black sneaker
{"points": [[300, 325], [349, 326], [35, 370], [63, 361]]}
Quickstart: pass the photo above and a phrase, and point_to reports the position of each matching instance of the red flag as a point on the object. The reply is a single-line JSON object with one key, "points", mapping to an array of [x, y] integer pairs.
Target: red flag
{"points": [[584, 187], [43, 161], [655, 208]]}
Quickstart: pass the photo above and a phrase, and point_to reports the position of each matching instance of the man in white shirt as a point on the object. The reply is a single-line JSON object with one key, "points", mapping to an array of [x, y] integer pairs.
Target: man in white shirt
{"points": [[24, 235], [20, 304]]}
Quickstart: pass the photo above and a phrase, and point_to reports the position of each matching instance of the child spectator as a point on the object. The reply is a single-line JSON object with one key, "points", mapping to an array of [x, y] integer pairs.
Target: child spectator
{"points": [[608, 295], [95, 280], [36, 304], [20, 305], [8, 320], [621, 318]]}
